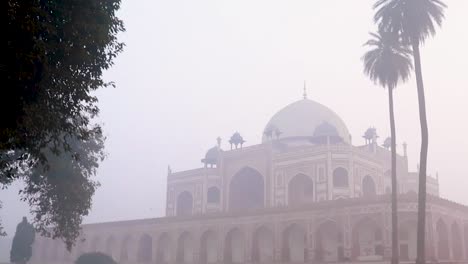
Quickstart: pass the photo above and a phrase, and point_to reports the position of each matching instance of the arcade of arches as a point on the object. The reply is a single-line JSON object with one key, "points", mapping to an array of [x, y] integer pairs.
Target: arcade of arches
{"points": [[325, 241]]}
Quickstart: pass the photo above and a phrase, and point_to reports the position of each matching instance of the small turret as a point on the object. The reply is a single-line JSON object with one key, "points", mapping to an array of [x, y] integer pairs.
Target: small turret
{"points": [[236, 140]]}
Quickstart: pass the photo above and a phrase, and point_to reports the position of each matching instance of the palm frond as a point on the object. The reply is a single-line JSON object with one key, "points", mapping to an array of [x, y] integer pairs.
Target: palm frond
{"points": [[413, 19], [388, 62]]}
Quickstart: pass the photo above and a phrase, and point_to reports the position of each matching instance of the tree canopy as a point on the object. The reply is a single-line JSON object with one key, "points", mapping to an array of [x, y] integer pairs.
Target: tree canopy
{"points": [[95, 258], [21, 248], [55, 53]]}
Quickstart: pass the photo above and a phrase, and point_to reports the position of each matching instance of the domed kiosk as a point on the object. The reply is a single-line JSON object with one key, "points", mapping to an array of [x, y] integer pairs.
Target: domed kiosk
{"points": [[306, 121]]}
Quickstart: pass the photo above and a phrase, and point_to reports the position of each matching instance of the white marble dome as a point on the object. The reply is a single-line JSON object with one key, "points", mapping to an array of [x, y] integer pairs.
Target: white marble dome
{"points": [[299, 121]]}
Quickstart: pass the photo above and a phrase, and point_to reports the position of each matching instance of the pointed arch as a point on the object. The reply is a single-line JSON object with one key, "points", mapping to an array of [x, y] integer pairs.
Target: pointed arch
{"points": [[124, 249], [185, 248], [110, 247], [443, 250], [163, 249], [263, 245], [95, 244], [145, 249], [407, 236], [367, 239], [184, 206], [457, 250], [368, 186], [329, 242], [246, 190], [300, 190], [209, 247], [340, 178], [234, 251], [294, 244]]}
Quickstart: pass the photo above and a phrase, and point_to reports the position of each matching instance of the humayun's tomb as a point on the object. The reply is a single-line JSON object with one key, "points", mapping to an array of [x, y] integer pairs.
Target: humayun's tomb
{"points": [[305, 194]]}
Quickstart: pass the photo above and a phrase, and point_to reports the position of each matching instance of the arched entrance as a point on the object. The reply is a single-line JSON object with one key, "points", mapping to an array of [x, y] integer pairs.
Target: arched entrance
{"points": [[367, 240], [162, 253], [246, 190], [300, 190], [145, 249], [209, 248], [443, 250], [329, 243], [457, 250], [294, 244], [407, 236], [124, 249], [234, 251], [263, 246], [110, 247], [368, 187], [184, 204], [185, 248]]}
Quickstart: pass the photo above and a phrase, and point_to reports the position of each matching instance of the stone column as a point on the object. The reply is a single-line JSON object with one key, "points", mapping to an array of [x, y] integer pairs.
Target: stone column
{"points": [[310, 242], [347, 238]]}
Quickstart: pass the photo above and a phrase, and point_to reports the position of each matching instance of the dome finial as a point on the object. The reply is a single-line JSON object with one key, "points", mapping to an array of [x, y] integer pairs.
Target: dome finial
{"points": [[304, 95]]}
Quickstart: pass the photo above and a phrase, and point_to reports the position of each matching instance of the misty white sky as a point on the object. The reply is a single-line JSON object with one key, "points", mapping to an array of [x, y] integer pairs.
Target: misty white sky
{"points": [[195, 70]]}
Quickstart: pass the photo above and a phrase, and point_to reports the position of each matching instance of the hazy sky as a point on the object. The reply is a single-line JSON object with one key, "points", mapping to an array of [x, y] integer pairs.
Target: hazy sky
{"points": [[195, 70]]}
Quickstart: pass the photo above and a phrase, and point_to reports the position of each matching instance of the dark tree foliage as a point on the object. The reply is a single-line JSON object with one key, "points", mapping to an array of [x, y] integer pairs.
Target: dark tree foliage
{"points": [[21, 248], [60, 192], [54, 54], [94, 258]]}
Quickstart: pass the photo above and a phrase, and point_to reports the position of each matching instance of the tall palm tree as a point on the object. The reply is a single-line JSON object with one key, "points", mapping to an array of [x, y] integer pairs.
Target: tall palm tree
{"points": [[388, 63], [415, 20]]}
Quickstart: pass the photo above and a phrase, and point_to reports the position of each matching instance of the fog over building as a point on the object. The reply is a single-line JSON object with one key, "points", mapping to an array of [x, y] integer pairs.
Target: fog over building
{"points": [[306, 193]]}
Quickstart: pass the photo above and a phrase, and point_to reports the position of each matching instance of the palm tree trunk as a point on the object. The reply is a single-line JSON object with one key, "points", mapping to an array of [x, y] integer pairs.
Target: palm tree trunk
{"points": [[420, 259], [395, 251]]}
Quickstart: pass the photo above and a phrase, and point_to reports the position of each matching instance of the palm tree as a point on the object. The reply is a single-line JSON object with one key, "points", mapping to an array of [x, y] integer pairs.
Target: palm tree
{"points": [[415, 21], [388, 63]]}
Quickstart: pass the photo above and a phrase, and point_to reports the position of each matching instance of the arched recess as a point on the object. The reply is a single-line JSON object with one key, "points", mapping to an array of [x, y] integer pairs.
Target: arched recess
{"points": [[185, 248], [294, 244], [300, 190], [407, 237], [163, 250], [340, 178], [329, 243], [367, 240], [208, 247], [246, 190], [124, 249], [234, 251], [443, 250], [95, 244], [145, 249], [263, 245], [184, 204], [457, 247], [213, 195], [110, 247], [368, 186]]}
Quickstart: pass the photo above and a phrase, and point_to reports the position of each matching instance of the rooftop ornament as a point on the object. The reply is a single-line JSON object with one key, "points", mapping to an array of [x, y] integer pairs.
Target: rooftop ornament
{"points": [[236, 140], [271, 131], [212, 155], [370, 135], [387, 143]]}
